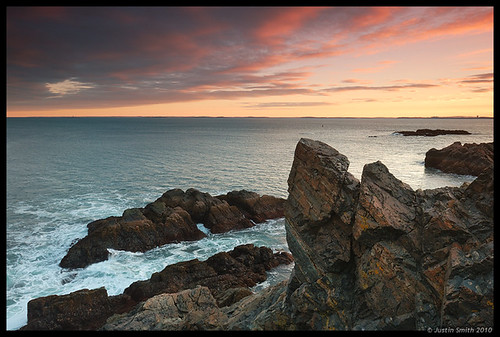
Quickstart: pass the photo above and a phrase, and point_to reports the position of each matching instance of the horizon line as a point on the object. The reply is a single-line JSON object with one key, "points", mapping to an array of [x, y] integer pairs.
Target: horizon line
{"points": [[310, 117]]}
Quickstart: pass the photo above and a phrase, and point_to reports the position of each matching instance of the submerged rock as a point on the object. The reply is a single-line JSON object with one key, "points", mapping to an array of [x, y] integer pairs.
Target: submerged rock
{"points": [[471, 159], [171, 218]]}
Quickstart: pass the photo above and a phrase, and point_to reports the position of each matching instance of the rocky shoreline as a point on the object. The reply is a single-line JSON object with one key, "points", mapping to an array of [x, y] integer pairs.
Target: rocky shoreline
{"points": [[226, 278], [369, 254], [171, 218]]}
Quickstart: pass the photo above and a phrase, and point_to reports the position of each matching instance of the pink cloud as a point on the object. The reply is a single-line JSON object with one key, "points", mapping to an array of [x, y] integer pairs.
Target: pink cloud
{"points": [[374, 16], [431, 24]]}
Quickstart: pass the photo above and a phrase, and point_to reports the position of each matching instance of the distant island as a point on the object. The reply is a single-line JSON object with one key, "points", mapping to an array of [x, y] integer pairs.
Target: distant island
{"points": [[432, 133], [451, 117]]}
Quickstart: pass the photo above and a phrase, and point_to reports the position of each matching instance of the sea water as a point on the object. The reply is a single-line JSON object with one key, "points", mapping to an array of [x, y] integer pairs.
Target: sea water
{"points": [[63, 173]]}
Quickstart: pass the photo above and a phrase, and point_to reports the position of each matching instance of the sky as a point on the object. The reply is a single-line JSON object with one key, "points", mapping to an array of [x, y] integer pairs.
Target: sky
{"points": [[250, 61]]}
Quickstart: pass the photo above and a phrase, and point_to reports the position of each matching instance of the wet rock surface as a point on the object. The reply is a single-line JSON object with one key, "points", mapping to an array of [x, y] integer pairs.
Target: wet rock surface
{"points": [[185, 295], [171, 218], [470, 159]]}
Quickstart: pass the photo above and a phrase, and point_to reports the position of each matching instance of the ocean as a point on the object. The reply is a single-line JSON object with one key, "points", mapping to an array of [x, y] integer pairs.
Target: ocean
{"points": [[63, 173]]}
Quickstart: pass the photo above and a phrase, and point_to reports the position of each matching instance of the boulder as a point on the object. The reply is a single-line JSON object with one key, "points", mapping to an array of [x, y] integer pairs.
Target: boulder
{"points": [[470, 159], [223, 217], [82, 310], [171, 218]]}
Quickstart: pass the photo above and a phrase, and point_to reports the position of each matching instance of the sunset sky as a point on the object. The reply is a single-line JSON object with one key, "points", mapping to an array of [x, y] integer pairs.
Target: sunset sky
{"points": [[250, 61]]}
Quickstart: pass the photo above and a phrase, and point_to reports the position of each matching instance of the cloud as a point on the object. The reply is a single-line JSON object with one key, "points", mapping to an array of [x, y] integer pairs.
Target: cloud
{"points": [[284, 105], [144, 55], [382, 88], [479, 78], [416, 24], [357, 81], [68, 87]]}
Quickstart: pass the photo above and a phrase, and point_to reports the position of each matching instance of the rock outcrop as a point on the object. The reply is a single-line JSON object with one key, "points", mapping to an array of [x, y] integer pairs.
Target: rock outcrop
{"points": [[244, 266], [433, 132], [81, 310], [376, 254], [471, 159], [191, 309], [171, 218], [185, 295]]}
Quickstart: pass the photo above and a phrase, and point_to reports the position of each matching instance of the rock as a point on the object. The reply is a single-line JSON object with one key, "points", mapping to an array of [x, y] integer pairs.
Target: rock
{"points": [[224, 278], [433, 133], [396, 258], [386, 206], [255, 207], [261, 311], [233, 295], [171, 218], [223, 217], [244, 266], [319, 210], [470, 159], [132, 232], [81, 310], [191, 309]]}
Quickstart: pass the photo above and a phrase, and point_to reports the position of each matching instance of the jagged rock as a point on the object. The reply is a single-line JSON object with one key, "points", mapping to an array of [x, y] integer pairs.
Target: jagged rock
{"points": [[433, 133], [171, 218], [244, 266], [319, 210], [386, 206], [132, 232], [191, 309], [471, 159], [233, 295], [416, 259], [227, 276], [261, 311]]}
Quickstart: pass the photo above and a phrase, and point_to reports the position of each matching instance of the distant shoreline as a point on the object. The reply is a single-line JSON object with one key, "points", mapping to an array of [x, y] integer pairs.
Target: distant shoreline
{"points": [[254, 117]]}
